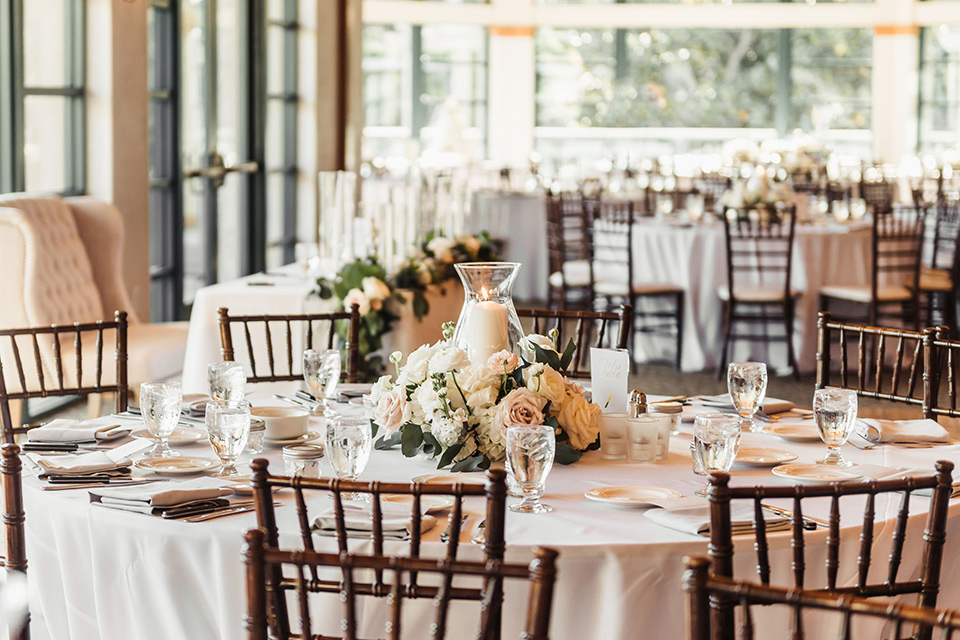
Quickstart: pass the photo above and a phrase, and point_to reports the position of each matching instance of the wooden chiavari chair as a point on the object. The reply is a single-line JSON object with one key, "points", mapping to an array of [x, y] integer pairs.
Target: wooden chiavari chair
{"points": [[278, 332], [263, 561], [896, 245], [721, 546], [25, 356], [759, 249], [580, 326], [494, 490], [889, 365], [30, 353], [943, 396], [568, 253], [712, 186], [615, 279], [938, 277], [702, 588], [877, 192]]}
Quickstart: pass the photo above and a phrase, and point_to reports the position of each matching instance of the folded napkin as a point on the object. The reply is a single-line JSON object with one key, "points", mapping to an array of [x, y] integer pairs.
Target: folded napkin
{"points": [[61, 430], [77, 463], [769, 406], [904, 431], [696, 520], [150, 498], [395, 520]]}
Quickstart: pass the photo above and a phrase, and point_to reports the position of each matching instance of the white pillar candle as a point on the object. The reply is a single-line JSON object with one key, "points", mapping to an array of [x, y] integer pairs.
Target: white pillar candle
{"points": [[487, 332]]}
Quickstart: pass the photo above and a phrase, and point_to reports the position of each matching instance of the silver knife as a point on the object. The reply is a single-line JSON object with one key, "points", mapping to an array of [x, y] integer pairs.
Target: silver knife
{"points": [[227, 511], [789, 514]]}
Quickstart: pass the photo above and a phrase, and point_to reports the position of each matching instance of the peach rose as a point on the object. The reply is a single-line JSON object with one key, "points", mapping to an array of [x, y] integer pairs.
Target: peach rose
{"points": [[391, 411], [503, 362], [581, 420], [520, 406]]}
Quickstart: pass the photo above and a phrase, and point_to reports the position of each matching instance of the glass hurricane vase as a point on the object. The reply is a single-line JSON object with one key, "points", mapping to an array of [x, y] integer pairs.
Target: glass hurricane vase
{"points": [[488, 321]]}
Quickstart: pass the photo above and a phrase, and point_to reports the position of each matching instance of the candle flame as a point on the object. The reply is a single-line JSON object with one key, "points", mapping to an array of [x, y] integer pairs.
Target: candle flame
{"points": [[485, 293]]}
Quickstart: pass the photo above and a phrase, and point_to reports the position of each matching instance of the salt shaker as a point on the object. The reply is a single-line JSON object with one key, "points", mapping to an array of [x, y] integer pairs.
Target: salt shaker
{"points": [[638, 404]]}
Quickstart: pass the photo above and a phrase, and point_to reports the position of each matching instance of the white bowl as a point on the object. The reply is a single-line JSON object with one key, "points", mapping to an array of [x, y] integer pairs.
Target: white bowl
{"points": [[282, 422]]}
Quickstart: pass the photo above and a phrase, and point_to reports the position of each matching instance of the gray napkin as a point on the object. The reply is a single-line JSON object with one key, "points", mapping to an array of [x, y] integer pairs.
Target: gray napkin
{"points": [[395, 521], [696, 520], [144, 498], [71, 431]]}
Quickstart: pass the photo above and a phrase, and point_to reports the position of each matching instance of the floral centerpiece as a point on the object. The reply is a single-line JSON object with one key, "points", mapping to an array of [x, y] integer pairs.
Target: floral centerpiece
{"points": [[444, 406], [761, 189], [365, 282]]}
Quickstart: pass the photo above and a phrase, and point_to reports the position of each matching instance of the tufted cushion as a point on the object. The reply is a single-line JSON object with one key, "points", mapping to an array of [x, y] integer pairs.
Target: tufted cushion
{"points": [[59, 279]]}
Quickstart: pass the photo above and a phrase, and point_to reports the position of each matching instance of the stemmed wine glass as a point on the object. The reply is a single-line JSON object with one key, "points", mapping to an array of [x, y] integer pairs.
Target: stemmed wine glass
{"points": [[227, 381], [349, 441], [160, 406], [716, 438], [530, 451], [228, 426], [321, 372], [835, 411], [747, 384]]}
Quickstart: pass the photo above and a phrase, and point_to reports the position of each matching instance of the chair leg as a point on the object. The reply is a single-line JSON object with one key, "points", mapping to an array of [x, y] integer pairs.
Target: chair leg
{"points": [[950, 312], [788, 320], [727, 329], [680, 317]]}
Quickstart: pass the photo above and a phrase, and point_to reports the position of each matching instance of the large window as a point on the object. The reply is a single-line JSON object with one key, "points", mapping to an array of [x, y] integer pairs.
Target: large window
{"points": [[42, 96], [683, 89], [939, 89], [425, 89]]}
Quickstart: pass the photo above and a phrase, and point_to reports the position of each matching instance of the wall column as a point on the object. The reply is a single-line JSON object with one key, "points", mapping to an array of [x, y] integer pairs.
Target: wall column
{"points": [[511, 95], [896, 59]]}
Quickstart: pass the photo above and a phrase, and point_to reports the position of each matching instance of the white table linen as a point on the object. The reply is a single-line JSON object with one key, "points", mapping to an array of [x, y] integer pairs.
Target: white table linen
{"points": [[289, 293], [101, 573]]}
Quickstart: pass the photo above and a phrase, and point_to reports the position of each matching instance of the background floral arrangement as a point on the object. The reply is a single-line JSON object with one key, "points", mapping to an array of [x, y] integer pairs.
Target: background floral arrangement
{"points": [[443, 406], [365, 282]]}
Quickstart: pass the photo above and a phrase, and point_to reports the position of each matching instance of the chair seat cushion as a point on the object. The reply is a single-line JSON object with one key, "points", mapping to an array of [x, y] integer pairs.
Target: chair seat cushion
{"points": [[756, 294], [619, 288], [576, 273], [935, 280], [890, 293]]}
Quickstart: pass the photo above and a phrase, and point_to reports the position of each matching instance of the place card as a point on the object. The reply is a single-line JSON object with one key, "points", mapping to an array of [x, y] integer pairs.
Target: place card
{"points": [[609, 373]]}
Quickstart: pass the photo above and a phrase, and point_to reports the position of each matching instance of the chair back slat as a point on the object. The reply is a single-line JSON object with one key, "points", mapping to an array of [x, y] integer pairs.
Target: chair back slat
{"points": [[899, 536], [833, 543], [866, 541], [797, 542], [586, 324], [34, 384], [276, 337], [763, 548]]}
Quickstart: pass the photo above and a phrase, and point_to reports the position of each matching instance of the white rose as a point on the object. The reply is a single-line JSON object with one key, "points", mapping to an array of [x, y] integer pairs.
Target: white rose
{"points": [[477, 376], [418, 363], [428, 399], [448, 359], [483, 398], [375, 289], [489, 434], [544, 381], [441, 247], [380, 387], [580, 419], [356, 297]]}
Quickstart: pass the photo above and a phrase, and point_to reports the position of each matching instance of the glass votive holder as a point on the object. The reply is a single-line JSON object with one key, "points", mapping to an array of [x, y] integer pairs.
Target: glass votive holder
{"points": [[642, 438], [303, 460], [672, 409], [258, 430], [664, 422], [613, 436]]}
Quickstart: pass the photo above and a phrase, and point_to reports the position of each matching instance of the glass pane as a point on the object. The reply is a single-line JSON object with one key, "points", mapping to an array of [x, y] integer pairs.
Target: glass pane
{"points": [[939, 88], [274, 150], [45, 142], [275, 62], [45, 40], [230, 119], [686, 1], [275, 182]]}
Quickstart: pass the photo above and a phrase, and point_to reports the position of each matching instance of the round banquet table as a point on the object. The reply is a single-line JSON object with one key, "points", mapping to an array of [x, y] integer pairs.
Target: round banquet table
{"points": [[693, 257], [102, 573]]}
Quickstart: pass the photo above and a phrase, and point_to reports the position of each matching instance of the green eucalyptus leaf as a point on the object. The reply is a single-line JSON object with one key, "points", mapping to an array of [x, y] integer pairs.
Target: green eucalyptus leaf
{"points": [[567, 355], [431, 446], [566, 454], [552, 421], [374, 427], [420, 305], [449, 455], [411, 439], [547, 357], [468, 464], [387, 442]]}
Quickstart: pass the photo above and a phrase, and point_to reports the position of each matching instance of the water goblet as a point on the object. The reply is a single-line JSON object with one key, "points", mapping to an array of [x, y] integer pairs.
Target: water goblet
{"points": [[747, 384], [716, 437], [228, 426], [349, 441], [160, 406], [530, 450], [835, 411], [321, 372], [227, 381]]}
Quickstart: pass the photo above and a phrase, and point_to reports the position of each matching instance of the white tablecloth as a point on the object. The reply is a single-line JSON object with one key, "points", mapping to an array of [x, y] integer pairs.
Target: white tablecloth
{"points": [[694, 258], [289, 293], [99, 573], [519, 220]]}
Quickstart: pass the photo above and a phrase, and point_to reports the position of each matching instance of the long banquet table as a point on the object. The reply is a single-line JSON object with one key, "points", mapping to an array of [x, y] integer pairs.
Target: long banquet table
{"points": [[101, 573]]}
